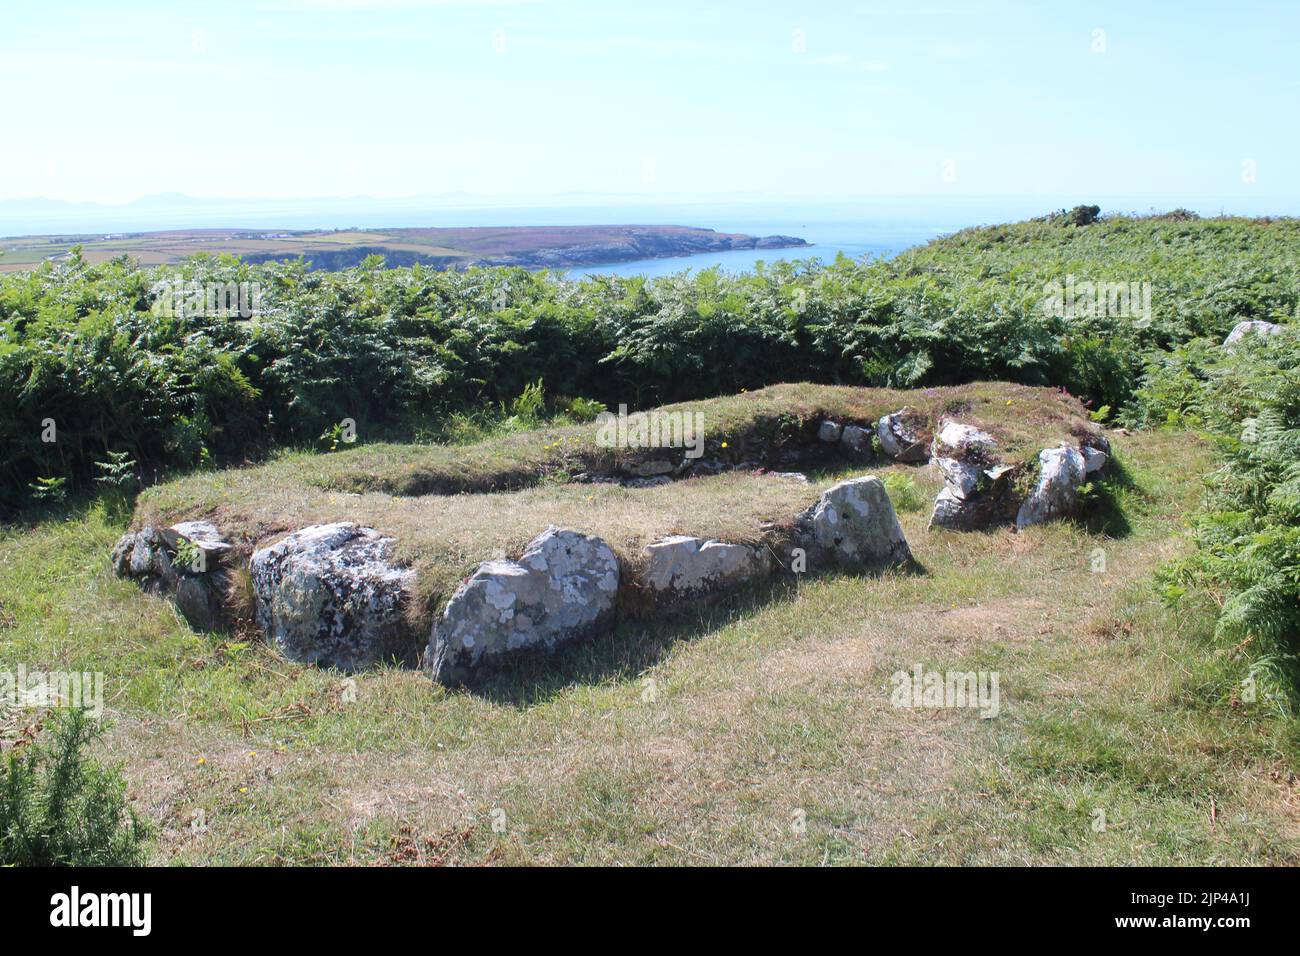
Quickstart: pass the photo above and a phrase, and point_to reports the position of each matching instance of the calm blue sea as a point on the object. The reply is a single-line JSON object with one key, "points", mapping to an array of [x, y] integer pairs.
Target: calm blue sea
{"points": [[827, 238], [856, 227]]}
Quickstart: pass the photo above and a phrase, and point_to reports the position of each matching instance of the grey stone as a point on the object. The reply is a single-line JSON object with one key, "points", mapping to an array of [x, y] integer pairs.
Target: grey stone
{"points": [[198, 598], [1094, 460], [960, 477], [854, 523], [856, 438], [331, 595], [829, 432], [686, 566], [204, 535], [142, 556], [651, 468], [655, 482], [1061, 471], [901, 437], [563, 589], [961, 440], [1252, 327], [993, 503]]}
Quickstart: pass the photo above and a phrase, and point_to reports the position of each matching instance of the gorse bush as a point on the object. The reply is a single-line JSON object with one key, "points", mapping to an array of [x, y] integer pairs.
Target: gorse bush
{"points": [[405, 351], [58, 807]]}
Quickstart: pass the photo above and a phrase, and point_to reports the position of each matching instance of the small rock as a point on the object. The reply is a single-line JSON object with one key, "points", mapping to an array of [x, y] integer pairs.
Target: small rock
{"points": [[708, 466], [856, 438], [902, 438], [561, 590], [1094, 460], [962, 478], [798, 476], [651, 468], [1252, 327], [1061, 471], [829, 432], [961, 440], [198, 598], [654, 482], [692, 566], [142, 555], [854, 523]]}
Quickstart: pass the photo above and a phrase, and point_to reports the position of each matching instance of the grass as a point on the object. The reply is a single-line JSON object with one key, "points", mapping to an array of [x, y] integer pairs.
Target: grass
{"points": [[709, 739], [754, 425], [445, 536]]}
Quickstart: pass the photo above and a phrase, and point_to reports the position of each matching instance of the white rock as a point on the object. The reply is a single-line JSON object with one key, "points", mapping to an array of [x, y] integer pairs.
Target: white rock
{"points": [[900, 439], [961, 438], [962, 478], [1061, 471], [1094, 460], [1252, 327], [687, 565], [829, 432], [562, 589]]}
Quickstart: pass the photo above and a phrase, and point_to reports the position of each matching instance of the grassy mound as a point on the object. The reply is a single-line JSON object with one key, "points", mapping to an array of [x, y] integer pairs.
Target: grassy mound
{"points": [[452, 507]]}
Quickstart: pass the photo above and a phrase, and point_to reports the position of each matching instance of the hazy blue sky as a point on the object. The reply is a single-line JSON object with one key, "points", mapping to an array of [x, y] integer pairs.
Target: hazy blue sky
{"points": [[109, 101]]}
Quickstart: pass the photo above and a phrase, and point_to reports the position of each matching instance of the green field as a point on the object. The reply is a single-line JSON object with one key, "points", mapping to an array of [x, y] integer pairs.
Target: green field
{"points": [[1150, 701], [333, 249]]}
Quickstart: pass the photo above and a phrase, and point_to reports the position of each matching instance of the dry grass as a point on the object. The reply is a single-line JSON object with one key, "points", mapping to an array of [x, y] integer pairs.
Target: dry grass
{"points": [[758, 730], [772, 426], [444, 537]]}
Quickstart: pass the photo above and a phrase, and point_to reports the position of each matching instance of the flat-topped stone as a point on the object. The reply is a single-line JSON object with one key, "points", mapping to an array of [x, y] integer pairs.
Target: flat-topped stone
{"points": [[562, 589], [332, 595]]}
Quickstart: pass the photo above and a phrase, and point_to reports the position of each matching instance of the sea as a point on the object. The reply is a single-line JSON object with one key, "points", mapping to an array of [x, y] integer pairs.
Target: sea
{"points": [[858, 228]]}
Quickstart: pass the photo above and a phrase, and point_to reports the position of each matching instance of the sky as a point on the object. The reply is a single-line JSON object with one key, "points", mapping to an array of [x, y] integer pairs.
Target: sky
{"points": [[108, 102]]}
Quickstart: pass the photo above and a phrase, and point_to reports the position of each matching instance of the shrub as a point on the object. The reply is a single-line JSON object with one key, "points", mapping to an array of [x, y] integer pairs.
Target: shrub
{"points": [[403, 352], [1248, 530], [904, 494], [60, 808]]}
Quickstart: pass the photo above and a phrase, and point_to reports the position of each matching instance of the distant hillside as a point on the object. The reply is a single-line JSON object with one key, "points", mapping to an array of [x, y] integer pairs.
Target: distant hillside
{"points": [[534, 247]]}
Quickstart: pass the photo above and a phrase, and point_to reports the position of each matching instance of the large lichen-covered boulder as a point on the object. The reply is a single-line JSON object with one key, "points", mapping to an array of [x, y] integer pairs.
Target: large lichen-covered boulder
{"points": [[682, 566], [903, 437], [1252, 327], [331, 595], [562, 589], [853, 523], [1056, 494]]}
